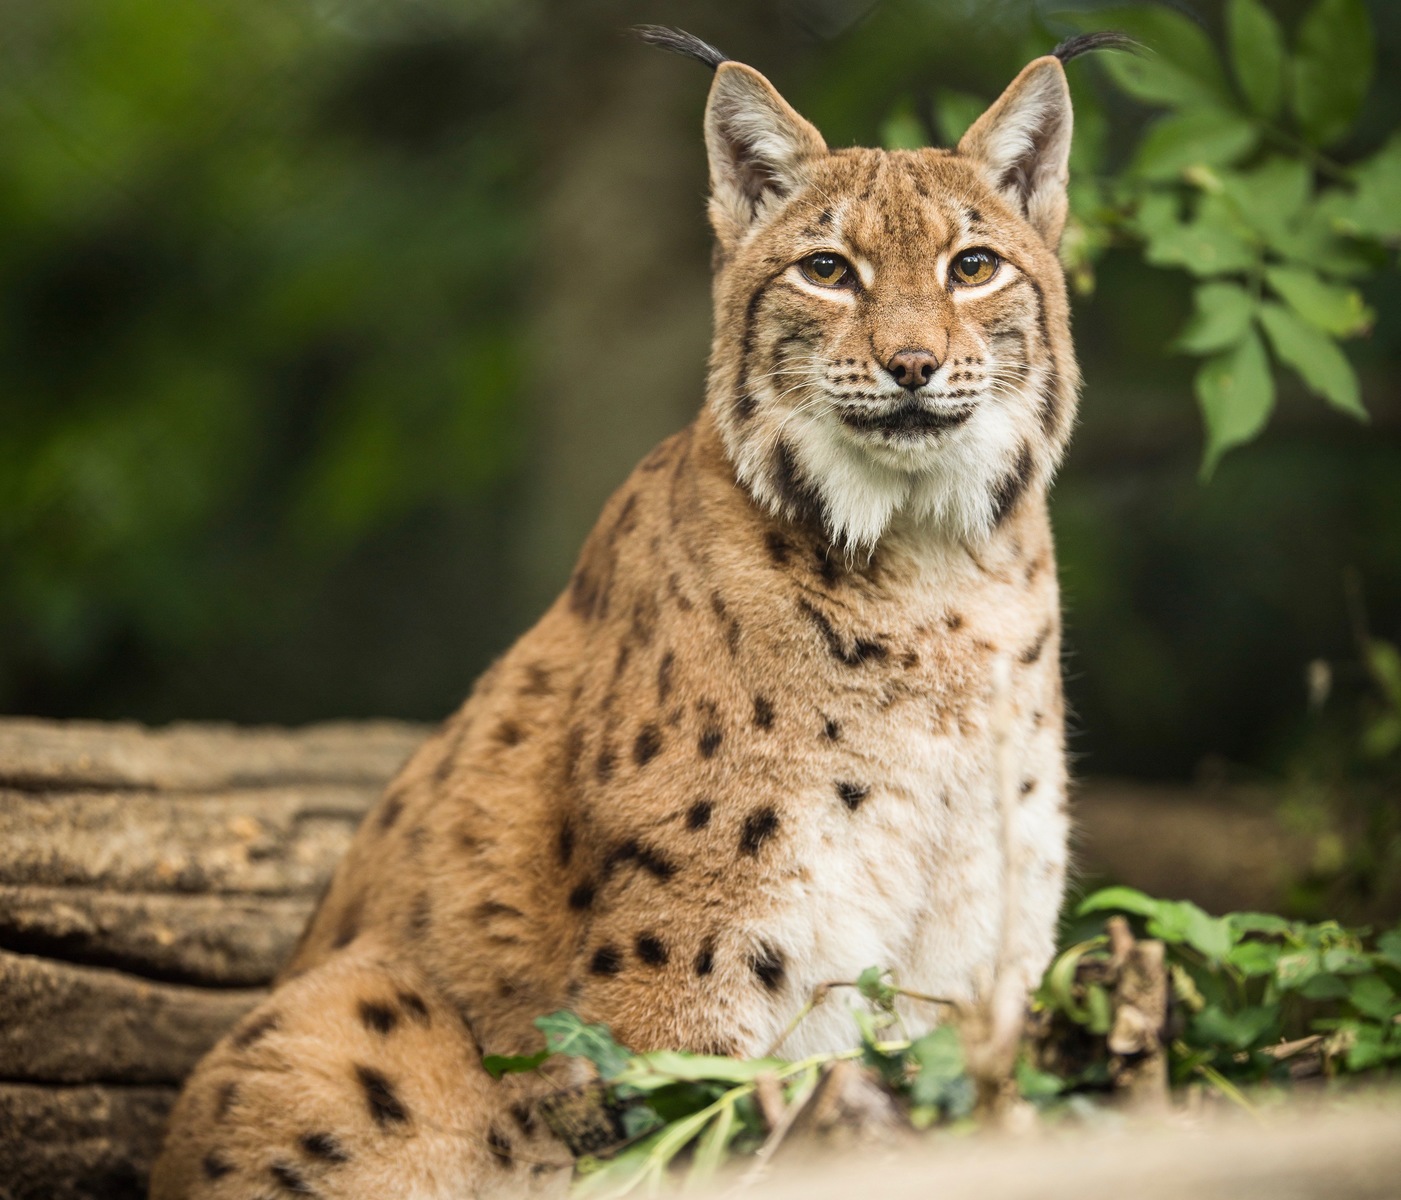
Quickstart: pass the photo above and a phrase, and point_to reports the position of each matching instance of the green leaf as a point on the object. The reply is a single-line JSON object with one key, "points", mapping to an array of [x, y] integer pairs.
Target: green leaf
{"points": [[902, 130], [1374, 208], [1197, 136], [941, 1080], [565, 1033], [1101, 1011], [1332, 68], [875, 987], [497, 1065], [1236, 393], [1255, 922], [1257, 54], [1323, 987], [1389, 946], [1235, 1031], [954, 114], [1120, 899], [1384, 662], [1270, 197], [1222, 316], [1370, 1048], [1034, 1084], [1254, 958], [713, 1145], [662, 1068], [1373, 997], [1178, 67], [1315, 356], [1210, 244], [1329, 306]]}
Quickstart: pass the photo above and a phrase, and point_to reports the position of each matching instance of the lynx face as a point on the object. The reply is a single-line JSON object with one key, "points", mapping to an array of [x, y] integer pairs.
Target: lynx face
{"points": [[893, 341]]}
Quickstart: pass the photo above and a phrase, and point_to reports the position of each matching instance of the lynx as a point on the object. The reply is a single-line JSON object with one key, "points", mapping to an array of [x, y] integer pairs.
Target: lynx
{"points": [[749, 750]]}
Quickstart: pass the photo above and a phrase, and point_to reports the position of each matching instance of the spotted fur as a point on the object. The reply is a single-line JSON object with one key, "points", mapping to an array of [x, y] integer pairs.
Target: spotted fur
{"points": [[748, 751]]}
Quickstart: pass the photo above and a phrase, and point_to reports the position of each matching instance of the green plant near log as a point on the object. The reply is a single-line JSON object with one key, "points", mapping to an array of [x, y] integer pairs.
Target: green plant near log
{"points": [[1252, 1000], [1235, 183]]}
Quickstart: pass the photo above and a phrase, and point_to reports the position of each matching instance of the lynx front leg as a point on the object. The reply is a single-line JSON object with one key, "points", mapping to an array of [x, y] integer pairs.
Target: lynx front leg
{"points": [[354, 1081]]}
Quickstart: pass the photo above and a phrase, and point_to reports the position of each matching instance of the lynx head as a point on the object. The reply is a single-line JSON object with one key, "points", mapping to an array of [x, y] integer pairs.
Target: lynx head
{"points": [[891, 328]]}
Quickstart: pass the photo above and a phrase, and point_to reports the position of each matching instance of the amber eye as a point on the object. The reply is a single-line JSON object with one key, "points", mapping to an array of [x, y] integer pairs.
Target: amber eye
{"points": [[973, 267], [830, 270]]}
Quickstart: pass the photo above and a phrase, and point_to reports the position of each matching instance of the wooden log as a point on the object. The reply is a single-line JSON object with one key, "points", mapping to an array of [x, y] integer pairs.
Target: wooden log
{"points": [[271, 840], [220, 940], [76, 1143], [39, 755], [66, 1024]]}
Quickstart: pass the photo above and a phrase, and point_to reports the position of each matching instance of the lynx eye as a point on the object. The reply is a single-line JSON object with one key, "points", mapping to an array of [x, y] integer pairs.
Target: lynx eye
{"points": [[973, 267], [829, 270]]}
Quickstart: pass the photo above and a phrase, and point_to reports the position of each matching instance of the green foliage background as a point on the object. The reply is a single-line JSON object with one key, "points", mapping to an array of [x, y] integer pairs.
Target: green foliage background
{"points": [[281, 365]]}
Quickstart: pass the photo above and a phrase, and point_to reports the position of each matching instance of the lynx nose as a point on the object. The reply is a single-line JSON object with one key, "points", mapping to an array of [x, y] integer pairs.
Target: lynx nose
{"points": [[912, 368]]}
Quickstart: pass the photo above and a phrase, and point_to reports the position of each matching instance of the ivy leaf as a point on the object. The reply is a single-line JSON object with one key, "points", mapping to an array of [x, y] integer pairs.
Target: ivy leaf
{"points": [[1315, 357], [1238, 1030], [1179, 68], [1257, 54], [1223, 314], [941, 1080], [1254, 958], [1270, 197], [1328, 306], [1197, 136], [1236, 393], [1373, 997], [497, 1065], [565, 1033], [1332, 68], [1254, 922]]}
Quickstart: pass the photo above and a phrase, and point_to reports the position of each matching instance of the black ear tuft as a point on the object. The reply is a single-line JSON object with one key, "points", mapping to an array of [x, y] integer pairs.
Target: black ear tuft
{"points": [[1104, 39], [678, 41]]}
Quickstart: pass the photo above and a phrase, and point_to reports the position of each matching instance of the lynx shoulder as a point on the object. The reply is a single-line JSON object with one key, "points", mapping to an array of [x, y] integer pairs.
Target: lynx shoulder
{"points": [[750, 749]]}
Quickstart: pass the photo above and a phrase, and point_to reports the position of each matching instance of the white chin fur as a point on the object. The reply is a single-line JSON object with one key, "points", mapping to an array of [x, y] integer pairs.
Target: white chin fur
{"points": [[942, 483]]}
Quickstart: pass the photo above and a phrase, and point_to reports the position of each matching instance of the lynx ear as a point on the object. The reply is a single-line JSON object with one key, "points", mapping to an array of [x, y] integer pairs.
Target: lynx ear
{"points": [[1023, 144], [757, 145]]}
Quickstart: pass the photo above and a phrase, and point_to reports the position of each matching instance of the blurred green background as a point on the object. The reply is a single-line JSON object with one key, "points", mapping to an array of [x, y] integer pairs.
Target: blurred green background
{"points": [[328, 325]]}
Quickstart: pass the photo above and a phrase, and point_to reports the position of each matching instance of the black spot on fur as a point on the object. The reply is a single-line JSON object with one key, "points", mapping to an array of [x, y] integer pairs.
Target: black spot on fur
{"points": [[759, 826], [582, 897], [831, 729], [797, 494], [1033, 652], [710, 742], [393, 807], [649, 860], [769, 966], [778, 547], [225, 1098], [500, 1146], [953, 622], [490, 910], [1012, 486], [862, 650], [763, 712], [698, 816], [524, 1118], [385, 1107], [566, 843], [289, 1179], [537, 681], [216, 1166], [729, 623], [255, 1030], [824, 218], [651, 950], [606, 961], [705, 959], [420, 914], [1027, 786], [378, 1018], [647, 746], [603, 767], [852, 794], [323, 1146], [665, 671]]}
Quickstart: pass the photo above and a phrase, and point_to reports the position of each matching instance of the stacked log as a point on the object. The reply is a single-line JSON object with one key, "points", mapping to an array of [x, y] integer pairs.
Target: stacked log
{"points": [[151, 884]]}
